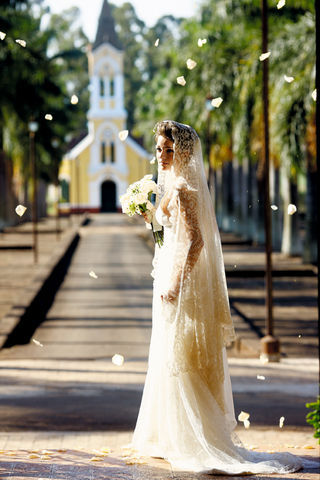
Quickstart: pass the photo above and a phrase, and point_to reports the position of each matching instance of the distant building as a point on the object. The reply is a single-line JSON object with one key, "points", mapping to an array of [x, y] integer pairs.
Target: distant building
{"points": [[98, 169]]}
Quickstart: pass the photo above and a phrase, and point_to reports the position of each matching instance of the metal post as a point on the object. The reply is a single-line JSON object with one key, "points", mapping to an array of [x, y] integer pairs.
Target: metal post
{"points": [[209, 108], [34, 197], [57, 211], [270, 347]]}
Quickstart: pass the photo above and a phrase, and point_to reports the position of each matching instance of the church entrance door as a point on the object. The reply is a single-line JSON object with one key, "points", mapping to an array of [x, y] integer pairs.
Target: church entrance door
{"points": [[108, 196]]}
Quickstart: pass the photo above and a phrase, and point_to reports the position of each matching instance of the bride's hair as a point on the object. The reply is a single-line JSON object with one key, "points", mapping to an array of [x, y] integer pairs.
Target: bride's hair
{"points": [[163, 129]]}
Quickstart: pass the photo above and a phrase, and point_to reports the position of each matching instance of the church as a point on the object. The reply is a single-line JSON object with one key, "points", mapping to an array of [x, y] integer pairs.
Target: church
{"points": [[98, 169]]}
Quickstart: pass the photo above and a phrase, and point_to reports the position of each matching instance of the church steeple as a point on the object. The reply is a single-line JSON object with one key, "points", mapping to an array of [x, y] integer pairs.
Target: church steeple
{"points": [[106, 32]]}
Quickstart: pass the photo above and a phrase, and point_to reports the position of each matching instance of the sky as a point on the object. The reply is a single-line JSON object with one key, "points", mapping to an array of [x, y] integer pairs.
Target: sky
{"points": [[148, 10]]}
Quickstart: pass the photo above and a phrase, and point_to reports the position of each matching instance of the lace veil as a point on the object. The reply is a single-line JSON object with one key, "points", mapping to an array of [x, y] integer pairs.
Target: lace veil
{"points": [[199, 317]]}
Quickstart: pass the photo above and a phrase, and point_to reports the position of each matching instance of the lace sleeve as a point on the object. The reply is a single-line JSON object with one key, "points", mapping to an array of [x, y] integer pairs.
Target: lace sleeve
{"points": [[187, 206]]}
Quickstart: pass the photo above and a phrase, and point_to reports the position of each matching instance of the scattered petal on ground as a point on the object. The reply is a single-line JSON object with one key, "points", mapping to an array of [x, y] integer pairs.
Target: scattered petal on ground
{"points": [[314, 94], [243, 416], [181, 80], [281, 4], [37, 342], [20, 209], [97, 453], [96, 459], [106, 450], [191, 64], [216, 102], [261, 377], [291, 209], [270, 451], [308, 447], [274, 207], [2, 35], [93, 274], [118, 359], [156, 43], [123, 135], [48, 116], [288, 79], [74, 100], [264, 56], [23, 43], [281, 422], [33, 455], [62, 450]]}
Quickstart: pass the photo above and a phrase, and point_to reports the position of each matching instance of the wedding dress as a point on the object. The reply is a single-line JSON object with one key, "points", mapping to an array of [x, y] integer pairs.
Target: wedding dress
{"points": [[187, 414]]}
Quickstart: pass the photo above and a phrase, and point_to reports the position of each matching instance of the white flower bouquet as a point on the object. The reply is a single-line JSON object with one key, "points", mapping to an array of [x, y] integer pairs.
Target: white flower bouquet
{"points": [[137, 199]]}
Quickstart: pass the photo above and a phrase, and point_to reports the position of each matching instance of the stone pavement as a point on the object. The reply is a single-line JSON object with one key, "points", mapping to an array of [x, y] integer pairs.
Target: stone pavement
{"points": [[67, 395]]}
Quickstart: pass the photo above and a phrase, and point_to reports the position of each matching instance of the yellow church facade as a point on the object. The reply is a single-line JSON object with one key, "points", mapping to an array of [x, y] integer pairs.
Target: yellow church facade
{"points": [[97, 171]]}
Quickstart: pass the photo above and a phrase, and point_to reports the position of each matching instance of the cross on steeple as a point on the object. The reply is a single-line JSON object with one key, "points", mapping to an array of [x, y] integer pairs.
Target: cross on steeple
{"points": [[106, 32]]}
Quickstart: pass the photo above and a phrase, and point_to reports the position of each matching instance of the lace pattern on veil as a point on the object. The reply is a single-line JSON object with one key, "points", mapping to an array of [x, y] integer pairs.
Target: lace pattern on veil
{"points": [[199, 318]]}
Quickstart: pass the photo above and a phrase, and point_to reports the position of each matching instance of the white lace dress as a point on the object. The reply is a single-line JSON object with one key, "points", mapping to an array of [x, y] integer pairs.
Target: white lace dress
{"points": [[180, 418]]}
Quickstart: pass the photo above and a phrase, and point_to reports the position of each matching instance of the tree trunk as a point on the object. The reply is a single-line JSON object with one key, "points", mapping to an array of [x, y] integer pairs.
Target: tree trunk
{"points": [[276, 215], [291, 240], [310, 250]]}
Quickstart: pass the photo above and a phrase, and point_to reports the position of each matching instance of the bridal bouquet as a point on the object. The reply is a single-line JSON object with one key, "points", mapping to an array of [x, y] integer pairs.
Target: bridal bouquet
{"points": [[138, 200]]}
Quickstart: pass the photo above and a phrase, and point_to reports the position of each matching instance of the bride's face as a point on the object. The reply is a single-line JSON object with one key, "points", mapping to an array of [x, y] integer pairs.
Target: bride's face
{"points": [[164, 151]]}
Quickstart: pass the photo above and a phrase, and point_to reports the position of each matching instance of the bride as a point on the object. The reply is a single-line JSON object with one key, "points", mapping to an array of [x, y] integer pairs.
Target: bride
{"points": [[186, 414]]}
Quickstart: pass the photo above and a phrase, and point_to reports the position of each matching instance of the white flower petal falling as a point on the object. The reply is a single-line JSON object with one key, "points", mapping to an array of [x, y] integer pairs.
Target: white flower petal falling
{"points": [[118, 360], [264, 56], [216, 102], [261, 377], [191, 63], [2, 35], [123, 135], [281, 4], [156, 43], [22, 43], [181, 80], [48, 116], [243, 416], [93, 274], [281, 422], [20, 209], [37, 342], [74, 100], [288, 79], [314, 94], [246, 423], [291, 209], [274, 207], [153, 161]]}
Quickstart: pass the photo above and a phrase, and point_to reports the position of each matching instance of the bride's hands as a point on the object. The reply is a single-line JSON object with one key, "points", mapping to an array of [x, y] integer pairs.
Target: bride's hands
{"points": [[170, 296]]}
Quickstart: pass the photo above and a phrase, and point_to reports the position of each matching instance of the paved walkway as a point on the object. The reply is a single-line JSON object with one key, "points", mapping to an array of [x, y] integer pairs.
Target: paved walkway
{"points": [[64, 403]]}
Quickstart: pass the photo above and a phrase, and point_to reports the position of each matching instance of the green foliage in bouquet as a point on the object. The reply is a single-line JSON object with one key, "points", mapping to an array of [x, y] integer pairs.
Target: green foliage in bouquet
{"points": [[313, 417]]}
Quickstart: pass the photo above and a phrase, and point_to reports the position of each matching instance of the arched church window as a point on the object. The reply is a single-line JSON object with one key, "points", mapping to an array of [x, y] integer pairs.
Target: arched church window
{"points": [[101, 88], [112, 87], [64, 185], [103, 152], [113, 157]]}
